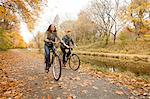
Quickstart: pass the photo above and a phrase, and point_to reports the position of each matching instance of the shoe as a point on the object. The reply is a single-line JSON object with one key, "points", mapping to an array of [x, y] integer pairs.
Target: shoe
{"points": [[49, 65], [64, 65], [47, 68]]}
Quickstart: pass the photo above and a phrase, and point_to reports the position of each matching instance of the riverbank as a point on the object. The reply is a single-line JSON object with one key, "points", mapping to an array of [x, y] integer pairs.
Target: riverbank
{"points": [[140, 47]]}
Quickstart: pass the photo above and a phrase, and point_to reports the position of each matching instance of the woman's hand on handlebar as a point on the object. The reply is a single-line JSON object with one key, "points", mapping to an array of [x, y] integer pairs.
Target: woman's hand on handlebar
{"points": [[46, 40], [50, 41]]}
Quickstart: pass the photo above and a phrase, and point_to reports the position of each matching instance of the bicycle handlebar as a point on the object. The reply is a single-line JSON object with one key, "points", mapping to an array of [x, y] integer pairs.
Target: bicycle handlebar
{"points": [[70, 47]]}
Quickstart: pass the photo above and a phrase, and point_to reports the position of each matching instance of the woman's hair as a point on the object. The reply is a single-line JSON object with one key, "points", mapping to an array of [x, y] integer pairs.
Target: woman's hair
{"points": [[49, 29]]}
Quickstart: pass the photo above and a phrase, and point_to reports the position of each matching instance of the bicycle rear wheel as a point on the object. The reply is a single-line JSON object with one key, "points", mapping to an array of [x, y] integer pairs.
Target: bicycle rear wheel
{"points": [[56, 63], [74, 62]]}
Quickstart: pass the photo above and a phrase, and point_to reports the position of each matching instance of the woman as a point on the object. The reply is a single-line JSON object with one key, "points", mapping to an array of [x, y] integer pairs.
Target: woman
{"points": [[49, 39]]}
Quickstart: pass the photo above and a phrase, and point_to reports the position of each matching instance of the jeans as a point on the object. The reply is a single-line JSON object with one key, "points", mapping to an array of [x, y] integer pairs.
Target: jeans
{"points": [[47, 53], [65, 53]]}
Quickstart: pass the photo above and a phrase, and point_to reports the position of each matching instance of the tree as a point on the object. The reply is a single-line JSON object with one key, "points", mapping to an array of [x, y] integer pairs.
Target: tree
{"points": [[85, 28], [11, 13], [10, 10], [17, 40], [3, 40], [10, 40], [38, 41], [105, 14], [138, 14], [68, 24]]}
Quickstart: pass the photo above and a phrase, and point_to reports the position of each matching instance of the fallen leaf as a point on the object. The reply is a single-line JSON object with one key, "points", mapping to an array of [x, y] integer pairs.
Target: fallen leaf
{"points": [[64, 93], [43, 97], [145, 94], [119, 92], [70, 97], [132, 97], [58, 98], [94, 87], [84, 91], [49, 97]]}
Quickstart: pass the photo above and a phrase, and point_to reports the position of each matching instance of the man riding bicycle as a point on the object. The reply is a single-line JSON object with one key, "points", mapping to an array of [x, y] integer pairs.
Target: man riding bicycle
{"points": [[68, 41]]}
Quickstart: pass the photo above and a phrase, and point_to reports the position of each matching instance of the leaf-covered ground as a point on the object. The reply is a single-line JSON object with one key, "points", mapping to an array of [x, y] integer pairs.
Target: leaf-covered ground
{"points": [[22, 76]]}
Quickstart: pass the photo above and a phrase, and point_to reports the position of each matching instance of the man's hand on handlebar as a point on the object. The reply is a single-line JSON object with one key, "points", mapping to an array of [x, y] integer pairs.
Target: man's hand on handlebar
{"points": [[75, 46], [67, 46]]}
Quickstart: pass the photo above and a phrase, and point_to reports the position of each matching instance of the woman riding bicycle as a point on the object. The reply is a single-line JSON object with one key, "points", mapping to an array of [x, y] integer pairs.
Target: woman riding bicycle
{"points": [[49, 39]]}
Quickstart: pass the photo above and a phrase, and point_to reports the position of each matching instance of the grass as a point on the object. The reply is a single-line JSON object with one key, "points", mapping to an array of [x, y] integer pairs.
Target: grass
{"points": [[102, 69], [130, 47]]}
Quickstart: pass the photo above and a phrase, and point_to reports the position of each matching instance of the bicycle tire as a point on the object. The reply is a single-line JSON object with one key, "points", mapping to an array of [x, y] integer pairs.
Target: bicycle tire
{"points": [[77, 65], [57, 59]]}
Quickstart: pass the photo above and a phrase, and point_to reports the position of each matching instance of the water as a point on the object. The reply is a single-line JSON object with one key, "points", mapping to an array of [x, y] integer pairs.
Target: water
{"points": [[106, 64]]}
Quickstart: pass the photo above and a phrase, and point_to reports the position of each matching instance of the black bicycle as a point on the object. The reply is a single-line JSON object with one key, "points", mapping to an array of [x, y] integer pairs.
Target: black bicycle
{"points": [[55, 64], [73, 60]]}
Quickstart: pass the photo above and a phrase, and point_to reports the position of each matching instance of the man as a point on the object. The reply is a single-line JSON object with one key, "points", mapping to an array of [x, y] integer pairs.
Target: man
{"points": [[69, 42]]}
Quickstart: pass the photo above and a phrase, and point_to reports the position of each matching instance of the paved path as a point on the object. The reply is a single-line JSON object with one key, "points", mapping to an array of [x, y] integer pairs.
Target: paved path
{"points": [[36, 84]]}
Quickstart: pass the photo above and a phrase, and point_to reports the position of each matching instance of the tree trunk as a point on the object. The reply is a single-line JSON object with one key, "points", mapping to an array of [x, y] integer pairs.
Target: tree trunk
{"points": [[115, 37]]}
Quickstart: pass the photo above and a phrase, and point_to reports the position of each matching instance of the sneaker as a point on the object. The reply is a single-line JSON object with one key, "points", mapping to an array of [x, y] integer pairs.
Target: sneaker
{"points": [[63, 65], [46, 70], [49, 65]]}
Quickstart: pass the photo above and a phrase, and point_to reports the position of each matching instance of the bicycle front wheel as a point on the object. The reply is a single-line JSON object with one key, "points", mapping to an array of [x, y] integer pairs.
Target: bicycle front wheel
{"points": [[74, 62], [56, 62]]}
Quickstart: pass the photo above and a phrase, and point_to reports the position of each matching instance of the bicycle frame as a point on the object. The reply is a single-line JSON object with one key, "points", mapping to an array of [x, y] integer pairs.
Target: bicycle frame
{"points": [[70, 53]]}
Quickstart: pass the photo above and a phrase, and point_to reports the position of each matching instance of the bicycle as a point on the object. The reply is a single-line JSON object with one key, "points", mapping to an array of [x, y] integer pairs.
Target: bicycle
{"points": [[73, 60], [55, 64]]}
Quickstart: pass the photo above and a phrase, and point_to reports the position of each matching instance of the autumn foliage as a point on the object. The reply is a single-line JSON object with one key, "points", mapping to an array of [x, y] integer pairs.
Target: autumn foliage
{"points": [[12, 12], [11, 40]]}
